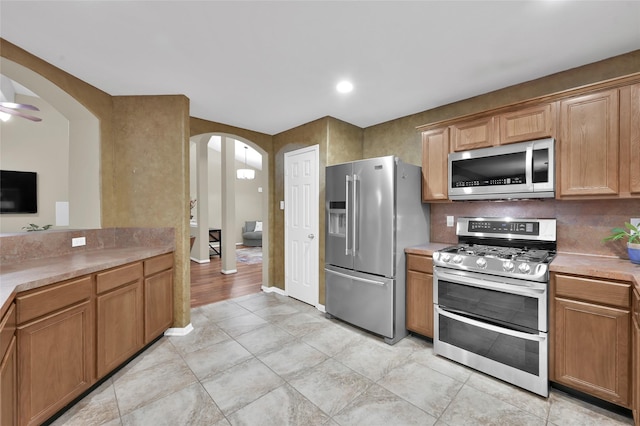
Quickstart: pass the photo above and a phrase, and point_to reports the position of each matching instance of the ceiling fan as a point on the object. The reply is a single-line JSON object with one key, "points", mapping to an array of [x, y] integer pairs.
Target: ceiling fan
{"points": [[12, 108]]}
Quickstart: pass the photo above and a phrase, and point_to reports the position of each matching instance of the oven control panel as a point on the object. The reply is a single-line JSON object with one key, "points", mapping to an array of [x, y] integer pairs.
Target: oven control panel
{"points": [[508, 228], [489, 226]]}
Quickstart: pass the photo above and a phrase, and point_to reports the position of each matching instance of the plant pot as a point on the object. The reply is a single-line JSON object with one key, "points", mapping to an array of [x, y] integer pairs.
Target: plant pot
{"points": [[634, 252]]}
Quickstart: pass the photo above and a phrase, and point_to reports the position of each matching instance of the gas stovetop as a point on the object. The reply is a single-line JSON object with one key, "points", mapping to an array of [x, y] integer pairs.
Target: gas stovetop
{"points": [[511, 253], [515, 248]]}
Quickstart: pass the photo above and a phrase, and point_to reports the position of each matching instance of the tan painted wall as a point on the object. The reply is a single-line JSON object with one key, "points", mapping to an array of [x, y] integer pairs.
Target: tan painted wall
{"points": [[344, 142], [400, 137], [152, 175], [129, 129], [339, 142]]}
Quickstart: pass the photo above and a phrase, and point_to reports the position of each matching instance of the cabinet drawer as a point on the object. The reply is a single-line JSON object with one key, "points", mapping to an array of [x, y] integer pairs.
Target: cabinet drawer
{"points": [[420, 263], [7, 329], [117, 277], [158, 264], [605, 292], [52, 298]]}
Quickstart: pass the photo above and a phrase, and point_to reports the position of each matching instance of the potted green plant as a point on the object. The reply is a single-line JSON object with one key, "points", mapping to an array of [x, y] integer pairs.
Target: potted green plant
{"points": [[632, 234]]}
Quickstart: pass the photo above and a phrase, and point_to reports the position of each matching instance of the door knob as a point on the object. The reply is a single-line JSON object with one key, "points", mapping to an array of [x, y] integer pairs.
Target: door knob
{"points": [[311, 236]]}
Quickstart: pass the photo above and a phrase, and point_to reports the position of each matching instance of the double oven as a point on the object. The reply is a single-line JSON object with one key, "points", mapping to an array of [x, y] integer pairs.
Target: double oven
{"points": [[491, 298]]}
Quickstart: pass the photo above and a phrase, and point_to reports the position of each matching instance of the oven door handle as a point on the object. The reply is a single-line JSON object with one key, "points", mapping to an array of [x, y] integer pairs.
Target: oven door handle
{"points": [[536, 292], [491, 327]]}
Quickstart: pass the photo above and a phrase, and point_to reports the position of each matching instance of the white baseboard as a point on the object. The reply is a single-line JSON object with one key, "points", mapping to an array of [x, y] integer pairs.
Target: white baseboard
{"points": [[320, 308], [179, 331], [200, 260], [232, 271], [274, 290]]}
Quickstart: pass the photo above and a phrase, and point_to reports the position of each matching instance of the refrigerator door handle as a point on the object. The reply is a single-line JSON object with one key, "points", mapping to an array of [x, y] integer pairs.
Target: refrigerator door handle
{"points": [[347, 250], [355, 215], [364, 280]]}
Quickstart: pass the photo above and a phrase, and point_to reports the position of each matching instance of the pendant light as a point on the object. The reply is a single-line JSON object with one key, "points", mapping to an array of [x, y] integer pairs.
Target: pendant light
{"points": [[245, 173]]}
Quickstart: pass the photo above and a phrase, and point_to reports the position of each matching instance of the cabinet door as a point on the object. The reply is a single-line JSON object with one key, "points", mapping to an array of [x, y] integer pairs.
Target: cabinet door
{"points": [[56, 355], [636, 357], [527, 124], [420, 303], [589, 145], [592, 349], [158, 304], [9, 386], [8, 373], [119, 326], [629, 172], [474, 134], [435, 160], [420, 294]]}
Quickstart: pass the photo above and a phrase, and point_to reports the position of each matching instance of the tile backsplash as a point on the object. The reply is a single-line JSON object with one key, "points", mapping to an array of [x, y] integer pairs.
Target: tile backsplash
{"points": [[581, 225]]}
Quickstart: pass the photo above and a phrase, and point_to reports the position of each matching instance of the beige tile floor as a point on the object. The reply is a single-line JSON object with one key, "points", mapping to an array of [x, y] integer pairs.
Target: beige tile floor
{"points": [[266, 359]]}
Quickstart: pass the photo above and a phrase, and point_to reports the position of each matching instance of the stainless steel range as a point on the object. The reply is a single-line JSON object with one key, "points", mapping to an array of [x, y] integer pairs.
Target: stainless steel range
{"points": [[491, 298]]}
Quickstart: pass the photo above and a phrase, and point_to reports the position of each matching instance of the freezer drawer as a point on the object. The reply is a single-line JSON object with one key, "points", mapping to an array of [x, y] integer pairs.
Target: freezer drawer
{"points": [[363, 300]]}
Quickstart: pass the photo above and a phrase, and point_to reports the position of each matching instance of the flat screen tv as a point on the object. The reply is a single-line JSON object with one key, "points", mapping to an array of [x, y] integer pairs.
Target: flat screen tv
{"points": [[18, 192]]}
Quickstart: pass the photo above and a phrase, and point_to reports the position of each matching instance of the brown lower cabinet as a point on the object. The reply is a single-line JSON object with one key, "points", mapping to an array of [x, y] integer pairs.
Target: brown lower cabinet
{"points": [[420, 294], [55, 348], [158, 291], [71, 334], [8, 369], [635, 325], [119, 305], [592, 337]]}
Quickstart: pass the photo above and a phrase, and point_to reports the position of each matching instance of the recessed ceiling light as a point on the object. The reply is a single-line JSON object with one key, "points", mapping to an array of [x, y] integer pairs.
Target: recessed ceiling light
{"points": [[344, 87]]}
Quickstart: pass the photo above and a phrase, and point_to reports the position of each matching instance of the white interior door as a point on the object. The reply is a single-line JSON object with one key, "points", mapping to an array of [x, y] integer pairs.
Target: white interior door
{"points": [[301, 224]]}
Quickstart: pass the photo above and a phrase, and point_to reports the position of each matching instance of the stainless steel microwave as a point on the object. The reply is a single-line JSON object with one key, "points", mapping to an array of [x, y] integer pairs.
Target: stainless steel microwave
{"points": [[519, 170]]}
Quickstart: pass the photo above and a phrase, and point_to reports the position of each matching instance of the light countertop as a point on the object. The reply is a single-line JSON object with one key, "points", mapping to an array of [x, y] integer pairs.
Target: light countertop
{"points": [[30, 274]]}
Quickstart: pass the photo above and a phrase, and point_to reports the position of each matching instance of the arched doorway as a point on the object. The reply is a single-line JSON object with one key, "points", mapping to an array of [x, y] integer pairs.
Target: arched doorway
{"points": [[214, 159]]}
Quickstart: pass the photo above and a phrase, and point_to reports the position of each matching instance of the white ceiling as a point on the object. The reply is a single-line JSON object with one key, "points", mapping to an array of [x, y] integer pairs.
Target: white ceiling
{"points": [[270, 66]]}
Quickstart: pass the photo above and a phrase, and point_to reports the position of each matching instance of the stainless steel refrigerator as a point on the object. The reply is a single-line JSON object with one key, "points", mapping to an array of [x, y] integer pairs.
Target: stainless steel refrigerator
{"points": [[374, 211]]}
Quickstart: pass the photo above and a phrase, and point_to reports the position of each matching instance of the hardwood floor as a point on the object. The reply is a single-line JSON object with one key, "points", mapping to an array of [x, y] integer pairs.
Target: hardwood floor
{"points": [[209, 285]]}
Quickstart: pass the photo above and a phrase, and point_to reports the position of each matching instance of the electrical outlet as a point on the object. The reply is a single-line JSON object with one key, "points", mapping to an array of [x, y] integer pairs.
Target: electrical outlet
{"points": [[77, 242], [450, 221], [635, 221]]}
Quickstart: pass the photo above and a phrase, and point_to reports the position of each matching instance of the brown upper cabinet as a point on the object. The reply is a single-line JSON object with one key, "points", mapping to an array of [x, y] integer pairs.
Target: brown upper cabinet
{"points": [[630, 140], [479, 133], [588, 145], [525, 124], [597, 132], [435, 151], [509, 127]]}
